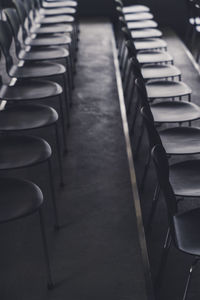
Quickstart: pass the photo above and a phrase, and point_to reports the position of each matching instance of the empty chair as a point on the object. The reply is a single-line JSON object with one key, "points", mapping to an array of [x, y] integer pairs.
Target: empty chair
{"points": [[19, 199]]}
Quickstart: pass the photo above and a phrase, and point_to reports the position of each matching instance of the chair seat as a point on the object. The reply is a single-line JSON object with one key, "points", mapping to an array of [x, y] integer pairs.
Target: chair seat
{"points": [[37, 69], [186, 225], [146, 33], [135, 9], [181, 140], [54, 20], [44, 54], [31, 90], [138, 17], [175, 111], [184, 177], [142, 24], [146, 44], [19, 151], [167, 89], [152, 71], [52, 29], [56, 4], [48, 41], [193, 21], [58, 11], [26, 117], [19, 198], [149, 57]]}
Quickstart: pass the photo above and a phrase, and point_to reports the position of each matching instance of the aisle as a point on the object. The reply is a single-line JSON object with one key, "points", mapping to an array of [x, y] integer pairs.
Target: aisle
{"points": [[97, 255]]}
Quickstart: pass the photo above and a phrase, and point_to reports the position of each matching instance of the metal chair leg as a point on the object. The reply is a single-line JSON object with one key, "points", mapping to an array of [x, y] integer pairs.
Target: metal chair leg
{"points": [[163, 262], [153, 209], [67, 99], [60, 160], [50, 283], [53, 195], [146, 168], [192, 268], [63, 123]]}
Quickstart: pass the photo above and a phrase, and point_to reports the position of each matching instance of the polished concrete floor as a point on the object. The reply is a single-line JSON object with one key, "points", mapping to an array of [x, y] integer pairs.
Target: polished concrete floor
{"points": [[96, 254]]}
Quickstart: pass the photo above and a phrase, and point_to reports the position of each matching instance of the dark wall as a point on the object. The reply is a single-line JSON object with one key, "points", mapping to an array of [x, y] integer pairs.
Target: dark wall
{"points": [[167, 12]]}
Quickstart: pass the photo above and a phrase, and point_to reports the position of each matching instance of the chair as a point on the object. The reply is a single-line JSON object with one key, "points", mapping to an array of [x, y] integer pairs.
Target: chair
{"points": [[184, 226], [29, 201], [132, 8]]}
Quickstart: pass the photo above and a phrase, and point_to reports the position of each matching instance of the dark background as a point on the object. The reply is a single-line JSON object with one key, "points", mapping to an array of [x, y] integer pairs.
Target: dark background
{"points": [[167, 12]]}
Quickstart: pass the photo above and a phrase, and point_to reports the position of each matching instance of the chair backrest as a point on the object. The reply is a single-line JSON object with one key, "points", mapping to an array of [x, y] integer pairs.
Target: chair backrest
{"points": [[13, 20], [162, 169], [22, 14], [6, 39], [154, 138], [119, 3]]}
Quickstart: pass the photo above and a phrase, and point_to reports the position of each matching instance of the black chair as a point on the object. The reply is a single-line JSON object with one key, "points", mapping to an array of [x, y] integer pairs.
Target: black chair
{"points": [[28, 202], [136, 8], [184, 226]]}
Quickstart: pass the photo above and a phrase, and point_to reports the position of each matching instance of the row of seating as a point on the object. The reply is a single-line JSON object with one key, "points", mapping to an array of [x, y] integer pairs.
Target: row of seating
{"points": [[153, 93], [40, 69]]}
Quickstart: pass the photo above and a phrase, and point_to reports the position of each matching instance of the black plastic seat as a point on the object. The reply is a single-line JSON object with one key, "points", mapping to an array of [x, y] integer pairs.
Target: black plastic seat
{"points": [[145, 33], [27, 117], [48, 41], [152, 71], [29, 199], [56, 4], [37, 69], [135, 9], [150, 57], [20, 151], [175, 112], [148, 44], [142, 25], [181, 140], [138, 17], [51, 29], [32, 90], [58, 11], [158, 89], [187, 226], [50, 53], [184, 178], [54, 20]]}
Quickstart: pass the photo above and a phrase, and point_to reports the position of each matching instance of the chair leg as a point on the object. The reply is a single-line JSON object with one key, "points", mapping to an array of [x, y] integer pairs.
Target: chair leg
{"points": [[153, 209], [67, 100], [53, 194], [146, 168], [163, 262], [60, 160], [50, 283], [62, 118], [192, 268]]}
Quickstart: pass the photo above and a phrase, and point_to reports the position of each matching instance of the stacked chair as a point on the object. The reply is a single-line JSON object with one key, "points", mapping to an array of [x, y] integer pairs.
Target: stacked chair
{"points": [[40, 73], [155, 97]]}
